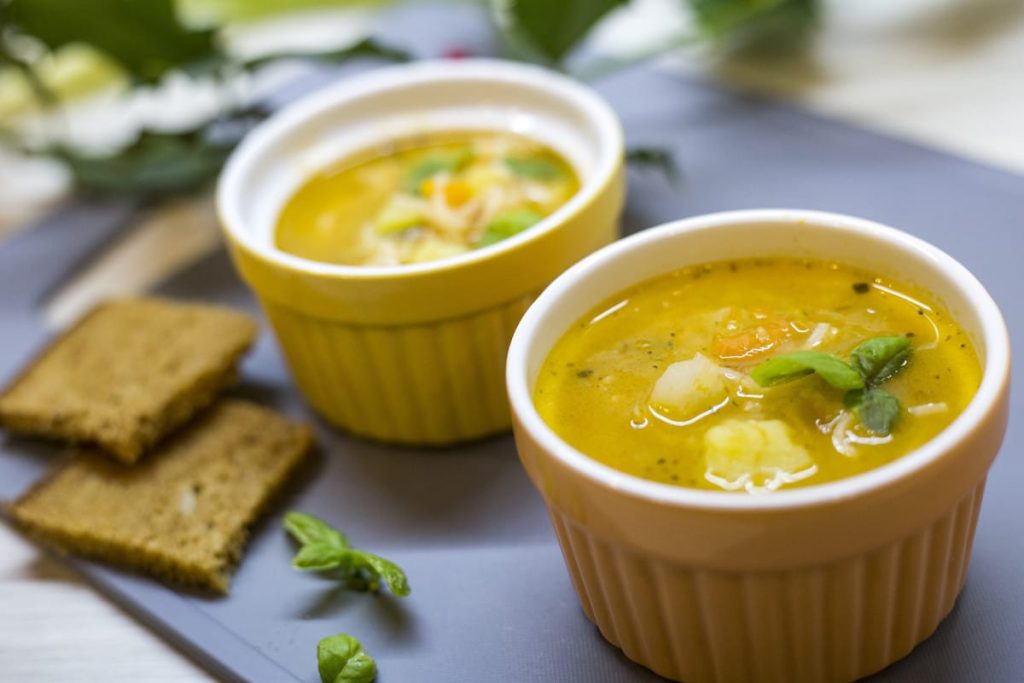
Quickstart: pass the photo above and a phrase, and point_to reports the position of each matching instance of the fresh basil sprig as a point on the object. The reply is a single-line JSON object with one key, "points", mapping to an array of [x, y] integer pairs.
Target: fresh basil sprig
{"points": [[342, 659], [325, 548], [872, 362]]}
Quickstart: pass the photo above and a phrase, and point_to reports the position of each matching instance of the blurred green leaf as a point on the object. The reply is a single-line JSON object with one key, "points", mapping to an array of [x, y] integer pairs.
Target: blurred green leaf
{"points": [[144, 36], [549, 29], [656, 159], [367, 48], [160, 163], [746, 22], [211, 12]]}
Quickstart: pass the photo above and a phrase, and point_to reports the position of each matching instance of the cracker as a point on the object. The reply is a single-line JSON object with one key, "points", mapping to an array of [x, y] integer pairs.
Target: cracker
{"points": [[182, 514], [128, 373]]}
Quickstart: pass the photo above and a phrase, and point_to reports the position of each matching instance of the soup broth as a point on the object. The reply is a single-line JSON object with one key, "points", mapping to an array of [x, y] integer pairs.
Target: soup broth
{"points": [[755, 375], [425, 198]]}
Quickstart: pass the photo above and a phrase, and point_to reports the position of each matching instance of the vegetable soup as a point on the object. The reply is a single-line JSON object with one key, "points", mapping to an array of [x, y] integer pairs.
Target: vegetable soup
{"points": [[425, 198], [754, 375]]}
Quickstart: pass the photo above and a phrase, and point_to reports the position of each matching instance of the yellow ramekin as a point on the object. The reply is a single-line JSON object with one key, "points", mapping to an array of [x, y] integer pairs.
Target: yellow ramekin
{"points": [[824, 583], [415, 354]]}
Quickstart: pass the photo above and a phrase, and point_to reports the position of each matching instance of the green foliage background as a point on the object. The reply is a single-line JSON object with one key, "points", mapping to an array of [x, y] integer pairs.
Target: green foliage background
{"points": [[148, 39]]}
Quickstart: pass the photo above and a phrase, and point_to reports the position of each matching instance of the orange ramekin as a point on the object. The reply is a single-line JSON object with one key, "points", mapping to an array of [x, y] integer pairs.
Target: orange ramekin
{"points": [[415, 354], [824, 583]]}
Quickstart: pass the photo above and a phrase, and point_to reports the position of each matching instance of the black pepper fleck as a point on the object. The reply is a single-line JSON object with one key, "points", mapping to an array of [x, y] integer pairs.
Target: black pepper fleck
{"points": [[585, 373], [861, 287]]}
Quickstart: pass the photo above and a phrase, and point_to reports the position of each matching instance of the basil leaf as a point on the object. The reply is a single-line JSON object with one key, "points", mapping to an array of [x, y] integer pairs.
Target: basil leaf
{"points": [[538, 169], [393, 576], [309, 529], [877, 409], [787, 367], [506, 225], [879, 359], [342, 659], [318, 557]]}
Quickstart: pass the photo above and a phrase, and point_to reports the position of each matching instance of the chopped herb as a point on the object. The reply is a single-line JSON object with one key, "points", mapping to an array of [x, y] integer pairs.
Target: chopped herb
{"points": [[506, 225], [537, 169], [342, 659], [432, 165], [325, 548], [861, 287]]}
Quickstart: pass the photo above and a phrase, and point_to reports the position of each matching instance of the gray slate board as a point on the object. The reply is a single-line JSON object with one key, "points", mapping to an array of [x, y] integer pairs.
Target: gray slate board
{"points": [[491, 600]]}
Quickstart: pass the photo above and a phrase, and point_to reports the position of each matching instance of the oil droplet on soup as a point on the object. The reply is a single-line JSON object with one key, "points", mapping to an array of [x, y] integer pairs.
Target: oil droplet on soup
{"points": [[757, 375], [425, 198]]}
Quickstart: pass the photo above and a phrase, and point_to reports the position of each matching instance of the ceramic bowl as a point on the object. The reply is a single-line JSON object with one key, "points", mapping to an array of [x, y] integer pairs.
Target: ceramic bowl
{"points": [[824, 583], [415, 354]]}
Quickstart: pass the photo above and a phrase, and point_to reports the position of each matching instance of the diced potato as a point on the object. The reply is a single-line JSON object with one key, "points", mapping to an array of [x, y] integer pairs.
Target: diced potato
{"points": [[758, 453], [690, 387], [396, 217], [433, 248], [480, 177]]}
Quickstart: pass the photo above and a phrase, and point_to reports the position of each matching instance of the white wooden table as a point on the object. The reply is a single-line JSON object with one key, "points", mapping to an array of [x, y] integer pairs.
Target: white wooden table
{"points": [[943, 72]]}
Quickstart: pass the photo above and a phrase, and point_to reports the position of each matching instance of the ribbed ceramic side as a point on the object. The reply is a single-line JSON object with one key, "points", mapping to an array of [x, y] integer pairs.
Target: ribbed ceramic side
{"points": [[429, 384], [835, 622]]}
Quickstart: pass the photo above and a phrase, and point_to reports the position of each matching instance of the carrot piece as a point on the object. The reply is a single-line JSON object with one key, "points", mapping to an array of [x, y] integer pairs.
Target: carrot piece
{"points": [[457, 193], [751, 342]]}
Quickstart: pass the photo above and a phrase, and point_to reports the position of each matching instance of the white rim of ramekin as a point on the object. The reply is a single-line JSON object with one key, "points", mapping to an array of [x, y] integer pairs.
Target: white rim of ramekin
{"points": [[993, 329], [231, 189]]}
